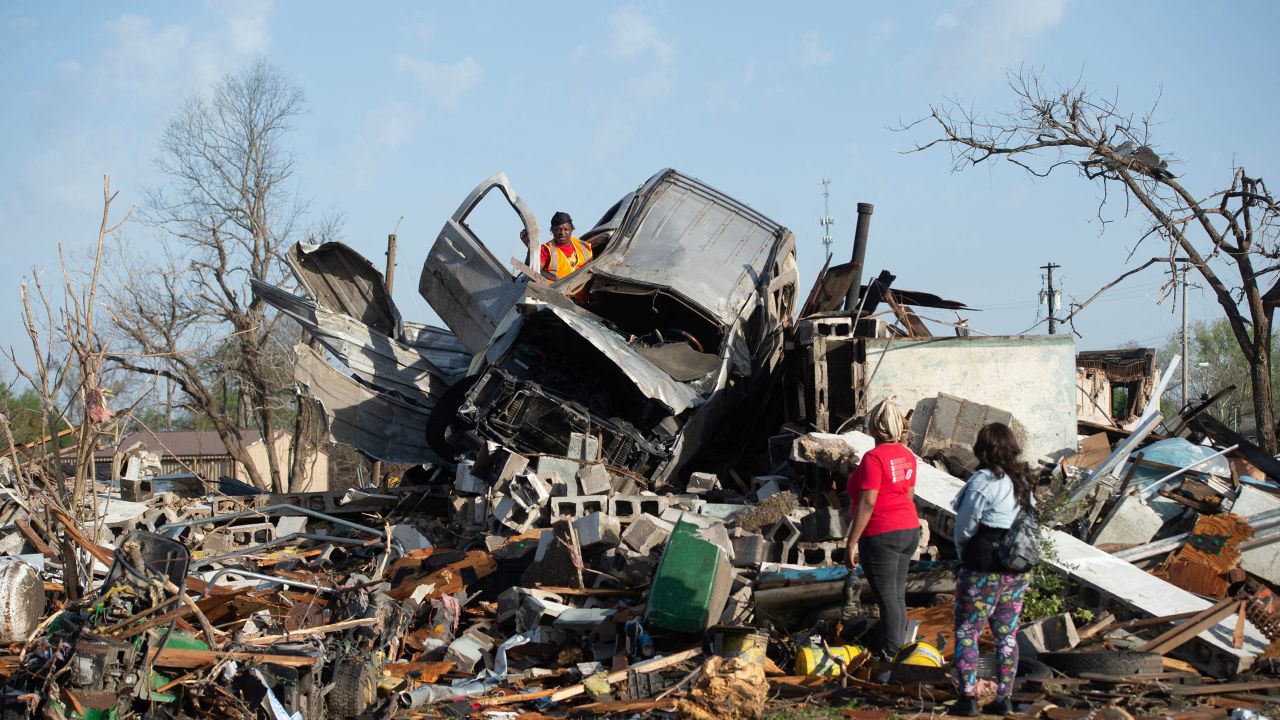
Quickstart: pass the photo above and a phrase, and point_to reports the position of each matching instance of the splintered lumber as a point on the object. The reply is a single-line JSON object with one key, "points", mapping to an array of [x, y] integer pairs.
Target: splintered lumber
{"points": [[308, 632], [1180, 634], [1220, 688], [187, 658], [653, 665], [449, 579]]}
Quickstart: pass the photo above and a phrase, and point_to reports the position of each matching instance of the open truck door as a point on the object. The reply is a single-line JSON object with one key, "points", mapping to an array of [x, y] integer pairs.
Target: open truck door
{"points": [[463, 282]]}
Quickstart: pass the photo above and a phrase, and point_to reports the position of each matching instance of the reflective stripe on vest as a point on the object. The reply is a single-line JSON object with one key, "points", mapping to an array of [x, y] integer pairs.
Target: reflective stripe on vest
{"points": [[559, 265]]}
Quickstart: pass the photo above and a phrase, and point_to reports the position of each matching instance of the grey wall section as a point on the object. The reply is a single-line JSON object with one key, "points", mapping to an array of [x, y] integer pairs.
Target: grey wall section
{"points": [[1033, 377]]}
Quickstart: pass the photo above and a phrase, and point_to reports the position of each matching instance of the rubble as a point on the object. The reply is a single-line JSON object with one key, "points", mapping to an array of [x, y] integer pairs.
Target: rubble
{"points": [[585, 544]]}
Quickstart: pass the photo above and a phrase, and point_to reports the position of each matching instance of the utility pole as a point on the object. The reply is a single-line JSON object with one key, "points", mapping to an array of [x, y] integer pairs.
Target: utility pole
{"points": [[390, 280], [1049, 296], [827, 221]]}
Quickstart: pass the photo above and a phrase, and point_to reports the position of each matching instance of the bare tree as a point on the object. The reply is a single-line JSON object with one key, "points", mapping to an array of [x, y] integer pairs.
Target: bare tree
{"points": [[226, 214], [1229, 235]]}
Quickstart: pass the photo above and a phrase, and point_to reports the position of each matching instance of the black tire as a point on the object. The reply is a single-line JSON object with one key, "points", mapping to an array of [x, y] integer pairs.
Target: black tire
{"points": [[1028, 669], [1104, 663], [355, 688]]}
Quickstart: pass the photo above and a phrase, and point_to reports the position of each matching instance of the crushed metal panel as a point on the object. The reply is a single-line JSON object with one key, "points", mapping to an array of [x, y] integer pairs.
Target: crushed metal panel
{"points": [[379, 424], [341, 279], [651, 381], [469, 288], [705, 246], [375, 358]]}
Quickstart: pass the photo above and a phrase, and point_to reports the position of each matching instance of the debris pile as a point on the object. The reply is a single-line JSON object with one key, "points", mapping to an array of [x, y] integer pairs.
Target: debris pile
{"points": [[626, 494]]}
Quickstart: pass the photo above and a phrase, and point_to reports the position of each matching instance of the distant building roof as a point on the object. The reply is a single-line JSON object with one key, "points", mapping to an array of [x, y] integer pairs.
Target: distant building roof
{"points": [[180, 443]]}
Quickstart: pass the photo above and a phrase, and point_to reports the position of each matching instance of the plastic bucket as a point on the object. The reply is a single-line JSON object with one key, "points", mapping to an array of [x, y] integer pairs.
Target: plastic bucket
{"points": [[919, 653], [826, 661]]}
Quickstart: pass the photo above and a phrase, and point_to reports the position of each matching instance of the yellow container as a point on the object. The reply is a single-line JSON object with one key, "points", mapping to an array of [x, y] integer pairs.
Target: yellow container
{"points": [[827, 662], [750, 646], [919, 653]]}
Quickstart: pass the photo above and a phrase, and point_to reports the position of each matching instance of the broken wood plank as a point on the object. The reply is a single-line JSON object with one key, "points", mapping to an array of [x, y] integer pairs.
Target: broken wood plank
{"points": [[187, 658], [312, 631], [653, 665], [1180, 634], [1220, 688]]}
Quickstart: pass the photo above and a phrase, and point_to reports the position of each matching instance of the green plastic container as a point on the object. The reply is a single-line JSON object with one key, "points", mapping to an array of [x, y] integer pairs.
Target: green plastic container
{"points": [[692, 584]]}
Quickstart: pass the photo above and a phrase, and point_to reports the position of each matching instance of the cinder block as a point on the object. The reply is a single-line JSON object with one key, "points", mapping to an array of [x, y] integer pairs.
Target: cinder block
{"points": [[499, 465], [529, 490], [823, 554], [749, 550], [785, 533], [593, 479], [469, 650], [561, 473], [558, 560], [514, 515], [674, 515], [628, 507], [576, 507], [584, 447], [598, 530], [466, 482], [717, 535], [646, 533], [738, 610], [1130, 522], [471, 512], [825, 524], [767, 485], [622, 483], [701, 482], [1052, 634]]}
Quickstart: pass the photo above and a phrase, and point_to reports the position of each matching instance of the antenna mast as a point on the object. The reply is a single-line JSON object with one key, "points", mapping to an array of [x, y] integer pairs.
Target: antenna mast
{"points": [[826, 221]]}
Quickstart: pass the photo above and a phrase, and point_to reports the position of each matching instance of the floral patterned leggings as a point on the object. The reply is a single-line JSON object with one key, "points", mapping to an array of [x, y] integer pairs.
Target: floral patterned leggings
{"points": [[981, 597]]}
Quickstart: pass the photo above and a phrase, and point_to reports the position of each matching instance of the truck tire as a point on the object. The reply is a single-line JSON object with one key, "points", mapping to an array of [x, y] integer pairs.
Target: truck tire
{"points": [[1103, 662], [354, 689]]}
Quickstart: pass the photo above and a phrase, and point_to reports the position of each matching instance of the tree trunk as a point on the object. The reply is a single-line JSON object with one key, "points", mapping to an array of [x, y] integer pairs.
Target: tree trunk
{"points": [[1260, 377]]}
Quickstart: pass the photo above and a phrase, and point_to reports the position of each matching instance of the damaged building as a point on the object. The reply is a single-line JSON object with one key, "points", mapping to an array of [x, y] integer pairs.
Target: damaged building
{"points": [[626, 496]]}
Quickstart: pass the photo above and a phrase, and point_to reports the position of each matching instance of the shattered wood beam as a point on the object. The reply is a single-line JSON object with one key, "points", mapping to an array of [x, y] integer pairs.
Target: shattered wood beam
{"points": [[1174, 637], [187, 658]]}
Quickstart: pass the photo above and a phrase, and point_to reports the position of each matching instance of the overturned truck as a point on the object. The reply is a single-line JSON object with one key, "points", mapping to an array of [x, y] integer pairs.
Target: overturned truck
{"points": [[678, 319]]}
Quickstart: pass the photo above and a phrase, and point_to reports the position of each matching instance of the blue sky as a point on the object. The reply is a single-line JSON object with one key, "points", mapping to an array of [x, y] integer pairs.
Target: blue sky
{"points": [[409, 105]]}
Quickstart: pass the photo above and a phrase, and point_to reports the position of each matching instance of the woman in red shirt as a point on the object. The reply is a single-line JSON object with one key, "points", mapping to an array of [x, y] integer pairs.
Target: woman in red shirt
{"points": [[885, 529]]}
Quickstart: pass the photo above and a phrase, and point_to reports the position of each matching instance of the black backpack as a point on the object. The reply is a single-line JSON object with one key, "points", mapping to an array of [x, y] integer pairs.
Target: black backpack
{"points": [[1018, 550]]}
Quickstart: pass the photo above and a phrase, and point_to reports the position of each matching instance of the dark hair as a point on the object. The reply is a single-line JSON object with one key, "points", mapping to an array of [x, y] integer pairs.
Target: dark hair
{"points": [[561, 218], [997, 450]]}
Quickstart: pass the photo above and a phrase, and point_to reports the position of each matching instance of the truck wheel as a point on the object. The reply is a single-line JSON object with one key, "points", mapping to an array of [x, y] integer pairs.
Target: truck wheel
{"points": [[1103, 662]]}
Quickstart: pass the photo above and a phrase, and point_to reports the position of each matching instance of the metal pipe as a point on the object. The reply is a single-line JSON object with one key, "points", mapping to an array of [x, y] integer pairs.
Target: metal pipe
{"points": [[284, 540], [859, 254], [259, 576], [1150, 489], [265, 512]]}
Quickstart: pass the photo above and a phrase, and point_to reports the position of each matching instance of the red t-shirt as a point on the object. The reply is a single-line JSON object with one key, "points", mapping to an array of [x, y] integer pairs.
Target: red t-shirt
{"points": [[889, 468]]}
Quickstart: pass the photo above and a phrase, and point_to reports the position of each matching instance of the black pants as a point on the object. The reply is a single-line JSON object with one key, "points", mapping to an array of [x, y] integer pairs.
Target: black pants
{"points": [[884, 560]]}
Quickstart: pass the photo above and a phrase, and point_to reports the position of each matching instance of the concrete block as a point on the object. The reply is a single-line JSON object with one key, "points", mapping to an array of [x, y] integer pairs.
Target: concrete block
{"points": [[825, 524], [823, 554], [596, 530], [749, 549], [633, 568], [466, 482], [717, 535], [580, 506], [584, 447], [739, 608], [646, 532], [784, 534], [471, 512], [561, 473], [674, 515], [582, 620], [291, 524], [839, 454], [529, 490], [469, 650], [498, 465], [1052, 634], [701, 482], [623, 484], [629, 507], [767, 485], [692, 503], [409, 537], [593, 479], [1130, 522], [510, 513]]}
